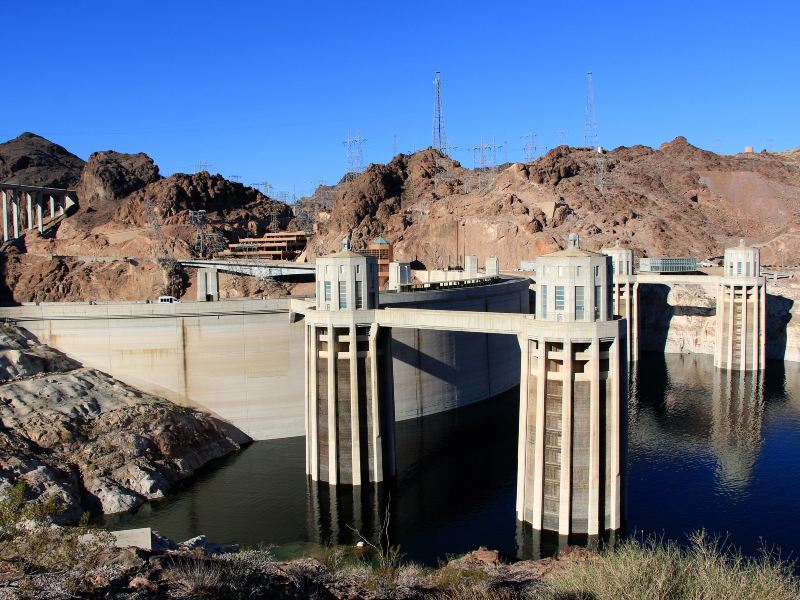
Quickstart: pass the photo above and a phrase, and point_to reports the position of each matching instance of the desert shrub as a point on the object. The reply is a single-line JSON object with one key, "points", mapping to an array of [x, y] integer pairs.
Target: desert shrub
{"points": [[43, 560], [237, 576], [656, 570], [195, 577]]}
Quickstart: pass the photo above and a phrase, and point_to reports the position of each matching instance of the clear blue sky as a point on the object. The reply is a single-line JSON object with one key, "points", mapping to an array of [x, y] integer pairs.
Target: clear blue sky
{"points": [[269, 90]]}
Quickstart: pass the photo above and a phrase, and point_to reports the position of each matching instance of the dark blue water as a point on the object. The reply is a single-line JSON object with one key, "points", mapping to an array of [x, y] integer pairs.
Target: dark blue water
{"points": [[706, 450]]}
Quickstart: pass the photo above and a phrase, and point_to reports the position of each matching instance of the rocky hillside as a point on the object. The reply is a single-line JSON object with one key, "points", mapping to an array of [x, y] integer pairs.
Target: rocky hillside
{"points": [[91, 441], [33, 160], [677, 200], [108, 248]]}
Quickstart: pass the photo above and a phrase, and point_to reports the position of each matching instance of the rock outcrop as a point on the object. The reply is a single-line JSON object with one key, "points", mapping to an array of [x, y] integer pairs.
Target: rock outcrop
{"points": [[231, 207], [30, 159], [89, 440], [106, 179]]}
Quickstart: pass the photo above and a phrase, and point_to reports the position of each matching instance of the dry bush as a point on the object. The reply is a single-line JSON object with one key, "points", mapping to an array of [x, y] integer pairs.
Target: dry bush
{"points": [[657, 570], [195, 577]]}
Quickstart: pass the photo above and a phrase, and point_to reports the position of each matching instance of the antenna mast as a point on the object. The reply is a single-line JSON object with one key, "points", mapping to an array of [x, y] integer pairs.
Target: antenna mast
{"points": [[439, 137]]}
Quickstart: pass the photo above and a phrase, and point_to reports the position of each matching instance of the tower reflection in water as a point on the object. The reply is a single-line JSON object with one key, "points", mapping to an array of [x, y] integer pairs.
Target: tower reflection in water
{"points": [[682, 406]]}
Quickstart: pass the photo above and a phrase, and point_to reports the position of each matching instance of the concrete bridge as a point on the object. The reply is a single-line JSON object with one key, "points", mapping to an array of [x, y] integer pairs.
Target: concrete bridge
{"points": [[252, 267], [42, 206]]}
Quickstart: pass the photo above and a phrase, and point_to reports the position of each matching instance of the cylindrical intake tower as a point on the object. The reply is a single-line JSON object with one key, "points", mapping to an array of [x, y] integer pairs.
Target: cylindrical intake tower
{"points": [[741, 311], [573, 398], [625, 293]]}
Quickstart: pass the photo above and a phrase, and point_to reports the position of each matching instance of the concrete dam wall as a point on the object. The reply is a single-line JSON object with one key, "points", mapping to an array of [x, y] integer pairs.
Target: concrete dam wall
{"points": [[244, 360]]}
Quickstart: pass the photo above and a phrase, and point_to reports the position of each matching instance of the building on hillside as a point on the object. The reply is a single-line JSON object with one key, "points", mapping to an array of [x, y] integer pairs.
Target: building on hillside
{"points": [[382, 251], [282, 245]]}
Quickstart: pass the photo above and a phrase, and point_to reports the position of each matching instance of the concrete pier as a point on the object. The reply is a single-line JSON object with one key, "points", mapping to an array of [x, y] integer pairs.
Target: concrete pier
{"points": [[741, 312], [33, 214], [207, 285]]}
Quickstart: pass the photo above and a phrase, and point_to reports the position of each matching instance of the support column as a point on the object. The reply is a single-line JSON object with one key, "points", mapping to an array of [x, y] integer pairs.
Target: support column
{"points": [[635, 326], [731, 319], [565, 494], [743, 332], [594, 441], [355, 433], [522, 437], [5, 215], [614, 364], [312, 431], [333, 447], [377, 440], [756, 360], [629, 316], [202, 286], [39, 212], [15, 212], [538, 456], [52, 206], [29, 222], [720, 323], [762, 357]]}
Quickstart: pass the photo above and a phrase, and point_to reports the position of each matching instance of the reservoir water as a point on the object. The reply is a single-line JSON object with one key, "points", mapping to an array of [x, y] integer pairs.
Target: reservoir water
{"points": [[706, 449]]}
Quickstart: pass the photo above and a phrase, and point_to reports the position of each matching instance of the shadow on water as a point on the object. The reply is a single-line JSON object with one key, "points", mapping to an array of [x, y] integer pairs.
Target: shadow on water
{"points": [[707, 449]]}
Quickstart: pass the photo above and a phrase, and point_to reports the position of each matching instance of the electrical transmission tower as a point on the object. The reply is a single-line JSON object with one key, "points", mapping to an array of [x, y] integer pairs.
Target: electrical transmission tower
{"points": [[561, 134], [590, 133], [529, 146], [354, 147], [484, 160], [201, 166], [591, 136], [162, 252], [439, 137], [207, 241]]}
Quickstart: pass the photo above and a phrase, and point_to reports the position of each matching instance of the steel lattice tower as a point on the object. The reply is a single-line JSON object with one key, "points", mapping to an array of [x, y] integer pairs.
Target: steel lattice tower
{"points": [[439, 137], [590, 133], [355, 155], [591, 136]]}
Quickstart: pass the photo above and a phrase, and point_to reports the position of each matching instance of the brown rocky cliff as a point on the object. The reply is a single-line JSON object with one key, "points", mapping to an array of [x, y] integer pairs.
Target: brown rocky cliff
{"points": [[678, 200]]}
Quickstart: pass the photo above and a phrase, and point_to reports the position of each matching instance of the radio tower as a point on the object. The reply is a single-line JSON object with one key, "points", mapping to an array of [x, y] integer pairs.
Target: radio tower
{"points": [[439, 137], [591, 137]]}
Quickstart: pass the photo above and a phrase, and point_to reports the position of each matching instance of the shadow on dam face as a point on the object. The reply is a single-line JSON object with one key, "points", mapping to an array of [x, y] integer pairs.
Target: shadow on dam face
{"points": [[456, 482]]}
